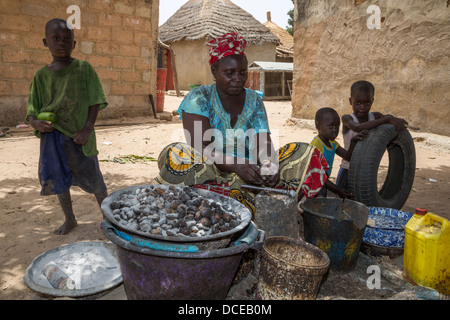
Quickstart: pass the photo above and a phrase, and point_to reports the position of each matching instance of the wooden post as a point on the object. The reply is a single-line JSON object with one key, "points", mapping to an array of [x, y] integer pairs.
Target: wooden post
{"points": [[174, 66], [174, 70]]}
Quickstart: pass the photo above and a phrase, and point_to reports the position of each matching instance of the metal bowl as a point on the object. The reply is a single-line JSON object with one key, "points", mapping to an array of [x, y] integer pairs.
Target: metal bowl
{"points": [[386, 227], [374, 250], [93, 265], [216, 241]]}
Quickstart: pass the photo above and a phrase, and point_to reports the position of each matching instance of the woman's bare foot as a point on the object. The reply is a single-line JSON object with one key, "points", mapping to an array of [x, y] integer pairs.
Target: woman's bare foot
{"points": [[66, 227]]}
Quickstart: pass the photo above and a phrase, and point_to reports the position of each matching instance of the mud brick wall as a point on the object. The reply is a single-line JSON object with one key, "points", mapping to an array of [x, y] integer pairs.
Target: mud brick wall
{"points": [[407, 58], [118, 37]]}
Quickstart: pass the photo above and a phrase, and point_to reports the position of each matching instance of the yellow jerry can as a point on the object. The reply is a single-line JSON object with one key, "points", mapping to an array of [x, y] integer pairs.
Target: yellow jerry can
{"points": [[426, 259]]}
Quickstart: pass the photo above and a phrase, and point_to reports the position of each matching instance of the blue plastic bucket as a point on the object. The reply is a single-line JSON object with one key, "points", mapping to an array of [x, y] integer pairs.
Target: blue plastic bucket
{"points": [[336, 227]]}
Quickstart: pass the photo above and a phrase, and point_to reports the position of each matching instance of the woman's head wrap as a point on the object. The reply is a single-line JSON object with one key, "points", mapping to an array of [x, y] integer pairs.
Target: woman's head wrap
{"points": [[226, 45]]}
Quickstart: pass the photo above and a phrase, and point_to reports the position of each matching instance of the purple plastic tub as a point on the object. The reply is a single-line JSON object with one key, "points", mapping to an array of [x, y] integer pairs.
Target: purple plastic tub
{"points": [[168, 275]]}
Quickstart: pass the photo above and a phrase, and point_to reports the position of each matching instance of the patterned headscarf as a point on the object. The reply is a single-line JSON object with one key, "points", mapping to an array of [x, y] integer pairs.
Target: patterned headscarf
{"points": [[226, 45]]}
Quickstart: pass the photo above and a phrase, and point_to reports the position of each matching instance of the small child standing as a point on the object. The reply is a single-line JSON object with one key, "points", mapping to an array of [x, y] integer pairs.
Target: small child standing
{"points": [[327, 123], [70, 89], [361, 99]]}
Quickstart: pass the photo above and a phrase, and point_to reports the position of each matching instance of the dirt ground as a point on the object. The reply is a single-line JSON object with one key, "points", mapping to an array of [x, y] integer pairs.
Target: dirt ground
{"points": [[28, 220]]}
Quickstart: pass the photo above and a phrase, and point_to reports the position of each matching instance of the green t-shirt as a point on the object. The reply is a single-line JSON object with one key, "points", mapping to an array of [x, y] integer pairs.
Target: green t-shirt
{"points": [[68, 93]]}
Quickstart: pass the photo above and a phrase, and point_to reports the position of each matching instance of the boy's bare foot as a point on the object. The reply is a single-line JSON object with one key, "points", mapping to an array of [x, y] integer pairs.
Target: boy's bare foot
{"points": [[66, 227]]}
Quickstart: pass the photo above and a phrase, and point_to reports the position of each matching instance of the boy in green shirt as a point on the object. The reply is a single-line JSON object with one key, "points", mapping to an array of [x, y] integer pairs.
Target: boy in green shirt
{"points": [[70, 89]]}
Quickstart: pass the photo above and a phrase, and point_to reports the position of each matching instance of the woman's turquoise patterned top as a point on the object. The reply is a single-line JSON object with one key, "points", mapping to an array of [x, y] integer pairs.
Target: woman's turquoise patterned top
{"points": [[236, 141]]}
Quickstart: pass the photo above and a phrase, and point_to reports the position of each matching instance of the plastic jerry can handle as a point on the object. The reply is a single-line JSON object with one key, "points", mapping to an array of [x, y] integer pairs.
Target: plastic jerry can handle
{"points": [[438, 218], [434, 224]]}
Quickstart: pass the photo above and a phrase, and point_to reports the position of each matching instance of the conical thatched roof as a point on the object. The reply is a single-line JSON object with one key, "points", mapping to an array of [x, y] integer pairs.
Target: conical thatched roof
{"points": [[198, 19], [286, 47]]}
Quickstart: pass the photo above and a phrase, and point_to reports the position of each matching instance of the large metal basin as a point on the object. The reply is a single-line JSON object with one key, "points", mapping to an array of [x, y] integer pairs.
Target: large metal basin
{"points": [[207, 242]]}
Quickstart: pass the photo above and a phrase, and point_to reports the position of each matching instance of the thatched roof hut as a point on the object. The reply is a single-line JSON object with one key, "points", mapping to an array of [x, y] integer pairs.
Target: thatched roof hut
{"points": [[199, 21], [285, 51]]}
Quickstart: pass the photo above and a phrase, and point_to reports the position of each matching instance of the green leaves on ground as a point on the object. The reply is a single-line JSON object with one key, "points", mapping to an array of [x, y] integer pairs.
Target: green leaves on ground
{"points": [[131, 158]]}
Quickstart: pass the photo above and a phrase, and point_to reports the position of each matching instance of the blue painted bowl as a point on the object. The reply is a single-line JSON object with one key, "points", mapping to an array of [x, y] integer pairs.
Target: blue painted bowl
{"points": [[386, 227]]}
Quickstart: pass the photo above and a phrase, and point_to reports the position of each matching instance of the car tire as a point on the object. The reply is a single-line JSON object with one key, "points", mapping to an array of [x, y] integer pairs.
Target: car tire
{"points": [[365, 162]]}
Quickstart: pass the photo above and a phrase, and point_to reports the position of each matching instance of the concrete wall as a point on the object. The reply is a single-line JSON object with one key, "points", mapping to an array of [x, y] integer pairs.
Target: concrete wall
{"points": [[407, 59], [192, 60], [116, 36]]}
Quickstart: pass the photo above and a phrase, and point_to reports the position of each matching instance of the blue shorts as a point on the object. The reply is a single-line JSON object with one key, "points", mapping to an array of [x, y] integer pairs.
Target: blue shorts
{"points": [[62, 164]]}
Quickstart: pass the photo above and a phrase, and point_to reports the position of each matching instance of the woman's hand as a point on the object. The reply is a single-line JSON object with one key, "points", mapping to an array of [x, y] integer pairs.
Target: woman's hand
{"points": [[41, 125], [269, 173], [250, 173]]}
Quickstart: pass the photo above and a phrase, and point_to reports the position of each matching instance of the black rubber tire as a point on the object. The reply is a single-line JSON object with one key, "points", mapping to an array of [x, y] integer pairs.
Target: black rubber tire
{"points": [[365, 161]]}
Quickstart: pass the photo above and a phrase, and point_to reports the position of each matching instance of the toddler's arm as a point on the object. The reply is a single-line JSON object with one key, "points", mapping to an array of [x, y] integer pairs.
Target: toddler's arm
{"points": [[342, 193], [347, 154]]}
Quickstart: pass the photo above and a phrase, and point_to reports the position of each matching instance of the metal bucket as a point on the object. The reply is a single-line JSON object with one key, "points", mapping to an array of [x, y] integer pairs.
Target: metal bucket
{"points": [[290, 269], [169, 275], [336, 227]]}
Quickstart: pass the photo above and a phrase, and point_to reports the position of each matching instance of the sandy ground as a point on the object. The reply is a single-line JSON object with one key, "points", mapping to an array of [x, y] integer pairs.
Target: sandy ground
{"points": [[28, 220]]}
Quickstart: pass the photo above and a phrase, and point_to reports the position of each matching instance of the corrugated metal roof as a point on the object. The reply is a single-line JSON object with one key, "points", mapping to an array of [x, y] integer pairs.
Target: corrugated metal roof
{"points": [[272, 66]]}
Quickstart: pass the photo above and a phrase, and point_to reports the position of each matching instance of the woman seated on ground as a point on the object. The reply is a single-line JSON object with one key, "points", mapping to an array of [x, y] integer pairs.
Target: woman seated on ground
{"points": [[228, 137]]}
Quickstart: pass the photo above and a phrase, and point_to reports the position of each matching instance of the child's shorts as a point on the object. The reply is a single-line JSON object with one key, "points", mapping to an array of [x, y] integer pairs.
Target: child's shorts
{"points": [[62, 164], [342, 179]]}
